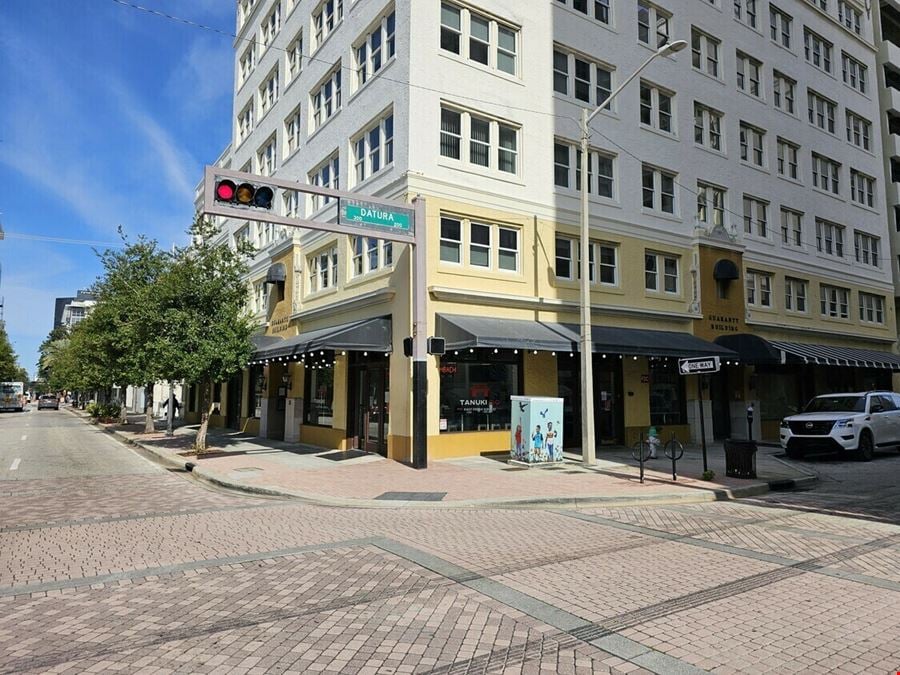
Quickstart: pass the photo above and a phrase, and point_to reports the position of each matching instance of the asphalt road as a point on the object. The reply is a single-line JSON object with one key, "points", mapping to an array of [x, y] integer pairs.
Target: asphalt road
{"points": [[109, 563], [42, 444]]}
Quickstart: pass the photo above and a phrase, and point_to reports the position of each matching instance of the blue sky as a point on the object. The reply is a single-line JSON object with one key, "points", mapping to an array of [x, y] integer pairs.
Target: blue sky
{"points": [[108, 116]]}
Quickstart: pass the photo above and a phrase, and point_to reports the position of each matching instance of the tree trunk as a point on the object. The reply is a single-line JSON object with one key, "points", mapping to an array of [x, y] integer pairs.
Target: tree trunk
{"points": [[205, 411], [170, 410], [148, 410]]}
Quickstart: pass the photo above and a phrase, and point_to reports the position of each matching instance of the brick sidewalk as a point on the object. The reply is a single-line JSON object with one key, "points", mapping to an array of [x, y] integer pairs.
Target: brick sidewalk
{"points": [[257, 464]]}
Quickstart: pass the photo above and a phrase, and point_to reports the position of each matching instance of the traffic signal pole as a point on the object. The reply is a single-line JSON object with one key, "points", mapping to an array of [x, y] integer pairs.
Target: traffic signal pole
{"points": [[223, 195]]}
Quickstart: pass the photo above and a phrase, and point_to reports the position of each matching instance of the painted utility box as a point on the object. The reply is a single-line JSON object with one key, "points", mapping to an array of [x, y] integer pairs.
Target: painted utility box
{"points": [[536, 429]]}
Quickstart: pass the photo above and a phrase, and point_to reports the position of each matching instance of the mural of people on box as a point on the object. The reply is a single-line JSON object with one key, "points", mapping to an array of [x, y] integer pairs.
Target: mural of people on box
{"points": [[537, 429]]}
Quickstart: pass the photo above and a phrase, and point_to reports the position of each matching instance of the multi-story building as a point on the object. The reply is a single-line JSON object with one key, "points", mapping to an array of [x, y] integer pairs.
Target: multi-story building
{"points": [[70, 311], [736, 196]]}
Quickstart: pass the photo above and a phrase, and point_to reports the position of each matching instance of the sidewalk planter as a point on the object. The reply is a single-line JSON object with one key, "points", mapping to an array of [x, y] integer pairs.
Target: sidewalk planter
{"points": [[740, 458]]}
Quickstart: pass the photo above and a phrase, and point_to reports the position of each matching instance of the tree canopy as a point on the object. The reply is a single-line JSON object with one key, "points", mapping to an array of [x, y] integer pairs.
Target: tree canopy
{"points": [[10, 370], [160, 315]]}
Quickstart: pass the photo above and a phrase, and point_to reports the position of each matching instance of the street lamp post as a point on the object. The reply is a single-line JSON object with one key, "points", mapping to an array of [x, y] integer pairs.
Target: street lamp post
{"points": [[588, 452]]}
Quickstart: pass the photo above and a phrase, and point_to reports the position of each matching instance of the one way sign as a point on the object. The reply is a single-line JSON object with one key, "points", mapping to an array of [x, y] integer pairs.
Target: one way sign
{"points": [[703, 364]]}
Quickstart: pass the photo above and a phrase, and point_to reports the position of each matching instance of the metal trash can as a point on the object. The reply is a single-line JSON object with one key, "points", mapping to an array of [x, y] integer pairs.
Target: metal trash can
{"points": [[740, 458]]}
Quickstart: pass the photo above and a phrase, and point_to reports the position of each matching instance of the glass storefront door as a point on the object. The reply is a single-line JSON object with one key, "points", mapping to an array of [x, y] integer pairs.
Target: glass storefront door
{"points": [[369, 406], [608, 403]]}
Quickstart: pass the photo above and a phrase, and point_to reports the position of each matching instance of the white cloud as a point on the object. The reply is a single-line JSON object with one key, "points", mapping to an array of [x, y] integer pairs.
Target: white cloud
{"points": [[203, 78]]}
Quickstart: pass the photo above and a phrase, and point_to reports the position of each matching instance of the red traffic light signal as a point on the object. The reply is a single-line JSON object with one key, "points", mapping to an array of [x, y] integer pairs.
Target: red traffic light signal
{"points": [[245, 194]]}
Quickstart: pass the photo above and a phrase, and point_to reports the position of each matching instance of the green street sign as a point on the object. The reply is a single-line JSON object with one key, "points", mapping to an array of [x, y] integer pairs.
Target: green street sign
{"points": [[377, 216]]}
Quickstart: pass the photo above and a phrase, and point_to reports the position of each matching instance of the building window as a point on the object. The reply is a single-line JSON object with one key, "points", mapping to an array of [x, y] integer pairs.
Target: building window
{"points": [[759, 289], [862, 188], [780, 26], [325, 175], [245, 123], [745, 11], [667, 393], [853, 72], [825, 174], [658, 188], [601, 179], [319, 394], [821, 111], [294, 58], [849, 16], [475, 390], [270, 26], [748, 70], [291, 203], [374, 50], [657, 107], [829, 238], [325, 18], [590, 82], [486, 245], [245, 9], [247, 63], [370, 254], [795, 292], [866, 247], [821, 4], [326, 98], [752, 144], [292, 133], [600, 8], [710, 204], [568, 261], [373, 149], [707, 127], [322, 268], [653, 24], [835, 302], [755, 217], [267, 158], [479, 38], [260, 297], [705, 52], [659, 268], [871, 308], [491, 144], [787, 159], [858, 130], [791, 227], [783, 92], [817, 50], [268, 92]]}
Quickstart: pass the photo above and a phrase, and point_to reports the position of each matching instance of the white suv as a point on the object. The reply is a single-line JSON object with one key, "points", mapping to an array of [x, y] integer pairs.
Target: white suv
{"points": [[859, 422]]}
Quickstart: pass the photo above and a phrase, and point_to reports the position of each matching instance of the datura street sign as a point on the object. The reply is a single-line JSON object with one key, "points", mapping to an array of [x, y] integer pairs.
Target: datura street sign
{"points": [[378, 216]]}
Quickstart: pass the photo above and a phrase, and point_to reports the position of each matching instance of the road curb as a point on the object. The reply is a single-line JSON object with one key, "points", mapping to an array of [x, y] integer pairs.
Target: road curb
{"points": [[173, 461]]}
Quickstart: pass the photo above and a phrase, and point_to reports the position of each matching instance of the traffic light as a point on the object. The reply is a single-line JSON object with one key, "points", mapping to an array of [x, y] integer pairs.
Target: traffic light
{"points": [[244, 194]]}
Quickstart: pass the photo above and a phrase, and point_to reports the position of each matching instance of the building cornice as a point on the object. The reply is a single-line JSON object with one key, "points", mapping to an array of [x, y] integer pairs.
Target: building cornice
{"points": [[822, 331], [548, 304], [379, 297]]}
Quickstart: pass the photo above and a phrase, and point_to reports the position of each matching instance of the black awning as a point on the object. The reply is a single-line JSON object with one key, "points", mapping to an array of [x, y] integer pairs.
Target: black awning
{"points": [[756, 350], [725, 270], [462, 332], [363, 335]]}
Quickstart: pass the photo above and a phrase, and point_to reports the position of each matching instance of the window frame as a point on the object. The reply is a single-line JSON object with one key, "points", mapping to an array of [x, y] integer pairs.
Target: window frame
{"points": [[364, 167], [465, 37], [660, 272], [496, 253], [796, 293], [494, 150], [656, 190]]}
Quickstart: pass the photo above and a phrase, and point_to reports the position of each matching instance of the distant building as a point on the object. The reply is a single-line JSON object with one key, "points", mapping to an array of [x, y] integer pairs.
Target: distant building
{"points": [[69, 311]]}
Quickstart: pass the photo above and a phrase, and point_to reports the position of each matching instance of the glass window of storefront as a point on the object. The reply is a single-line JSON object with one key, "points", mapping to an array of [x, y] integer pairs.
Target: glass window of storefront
{"points": [[667, 398], [257, 390], [319, 394], [475, 389]]}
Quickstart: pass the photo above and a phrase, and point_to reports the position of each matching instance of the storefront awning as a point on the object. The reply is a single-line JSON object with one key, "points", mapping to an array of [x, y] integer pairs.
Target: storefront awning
{"points": [[462, 332], [756, 350], [364, 335]]}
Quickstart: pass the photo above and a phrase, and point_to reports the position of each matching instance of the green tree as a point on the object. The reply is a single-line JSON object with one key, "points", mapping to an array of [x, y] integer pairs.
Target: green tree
{"points": [[128, 307], [49, 350], [10, 370], [205, 336]]}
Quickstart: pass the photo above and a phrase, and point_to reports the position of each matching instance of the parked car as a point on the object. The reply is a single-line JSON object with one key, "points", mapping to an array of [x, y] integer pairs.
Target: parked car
{"points": [[858, 422], [48, 401]]}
